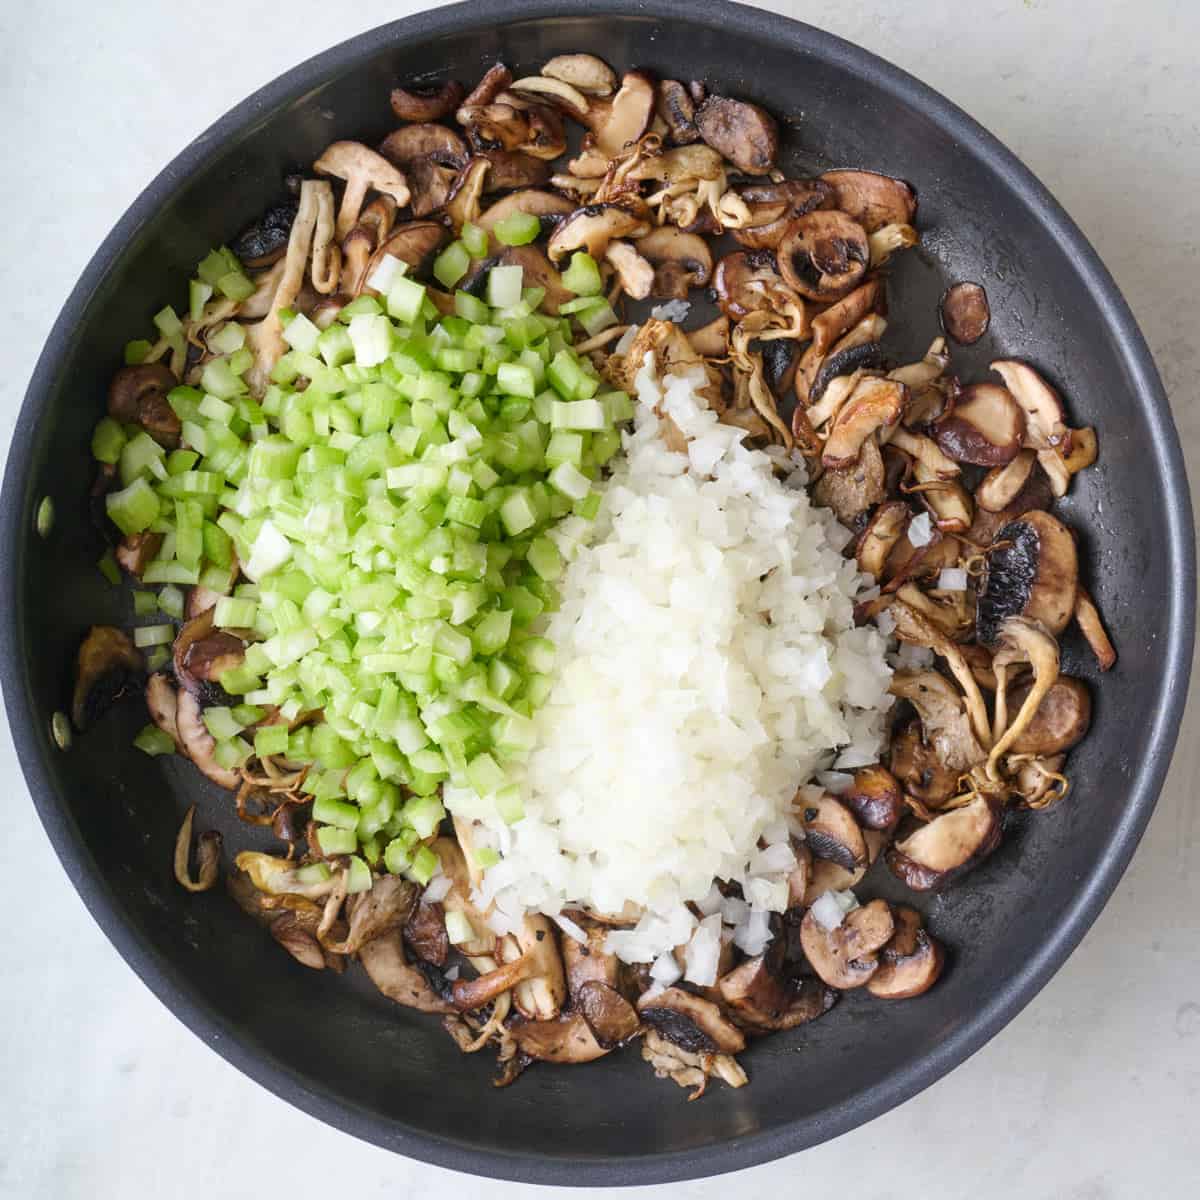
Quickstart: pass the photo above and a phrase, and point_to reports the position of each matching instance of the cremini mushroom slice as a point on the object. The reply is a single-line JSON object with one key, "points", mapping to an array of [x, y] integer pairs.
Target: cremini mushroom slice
{"points": [[628, 115], [871, 199], [747, 281], [431, 157], [1060, 721], [1001, 485], [947, 847], [944, 721], [585, 72], [827, 328], [549, 208], [554, 91], [565, 1039], [1084, 450], [926, 452], [874, 798], [844, 956], [885, 529], [823, 255], [762, 1001], [494, 81], [690, 1022], [137, 395], [830, 830], [362, 169], [853, 490], [264, 242], [543, 135], [771, 206], [742, 132], [874, 404], [1032, 570], [677, 111], [208, 855], [919, 767], [1092, 628], [911, 962], [511, 170], [1045, 427], [711, 340], [681, 261], [1020, 640], [826, 876], [107, 667], [610, 1016], [985, 426], [424, 104], [965, 312], [592, 227], [886, 241], [634, 273], [388, 968]]}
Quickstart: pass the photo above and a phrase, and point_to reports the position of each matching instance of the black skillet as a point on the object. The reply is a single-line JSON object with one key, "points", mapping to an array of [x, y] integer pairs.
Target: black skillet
{"points": [[345, 1054]]}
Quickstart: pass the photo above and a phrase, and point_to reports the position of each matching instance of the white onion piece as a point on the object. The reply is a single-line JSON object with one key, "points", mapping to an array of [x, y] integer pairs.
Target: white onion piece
{"points": [[953, 579], [835, 782], [666, 969], [920, 530], [826, 911], [570, 928], [437, 889]]}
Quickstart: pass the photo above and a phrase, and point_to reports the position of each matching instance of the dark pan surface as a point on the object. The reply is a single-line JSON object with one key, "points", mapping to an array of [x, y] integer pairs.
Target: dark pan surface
{"points": [[347, 1055]]}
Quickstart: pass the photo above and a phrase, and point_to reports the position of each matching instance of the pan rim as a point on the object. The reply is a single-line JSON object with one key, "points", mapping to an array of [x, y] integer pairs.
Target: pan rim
{"points": [[165, 981]]}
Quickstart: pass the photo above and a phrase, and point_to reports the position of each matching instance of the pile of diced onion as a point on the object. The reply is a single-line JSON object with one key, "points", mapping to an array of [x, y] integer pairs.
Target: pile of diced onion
{"points": [[707, 662]]}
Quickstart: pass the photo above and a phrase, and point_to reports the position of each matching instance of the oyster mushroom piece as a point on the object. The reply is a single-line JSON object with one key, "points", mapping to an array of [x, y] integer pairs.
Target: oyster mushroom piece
{"points": [[886, 241], [844, 957], [1059, 722], [1045, 427], [947, 847], [945, 725], [1020, 640], [681, 261], [690, 1022], [742, 132], [389, 970], [424, 104], [985, 426], [823, 255], [362, 170], [965, 312], [629, 114], [880, 537], [137, 395], [763, 1001], [1092, 628], [911, 962], [831, 831], [634, 273], [107, 667], [874, 404], [677, 111], [208, 855], [871, 199], [711, 340], [875, 798], [1001, 485], [584, 72], [926, 452], [1032, 570], [593, 227]]}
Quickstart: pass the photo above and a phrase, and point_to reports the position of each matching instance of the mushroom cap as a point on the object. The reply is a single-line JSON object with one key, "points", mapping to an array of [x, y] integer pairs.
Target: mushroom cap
{"points": [[354, 161], [984, 426], [918, 767], [585, 72], [884, 530], [567, 1039], [773, 205], [831, 832], [965, 312], [690, 1022], [742, 132], [824, 254], [593, 226], [138, 395], [629, 115], [549, 207], [844, 957], [1060, 721], [676, 109], [610, 1016], [1002, 484], [681, 260], [873, 200], [911, 962], [427, 103], [851, 491], [747, 281], [947, 847], [107, 667], [875, 798], [1045, 426], [873, 405]]}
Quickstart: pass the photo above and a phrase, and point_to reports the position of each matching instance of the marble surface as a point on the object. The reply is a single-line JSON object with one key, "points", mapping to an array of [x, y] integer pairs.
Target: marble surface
{"points": [[1090, 1094]]}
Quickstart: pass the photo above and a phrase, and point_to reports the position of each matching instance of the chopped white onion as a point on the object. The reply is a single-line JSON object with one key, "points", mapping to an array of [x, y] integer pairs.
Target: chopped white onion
{"points": [[711, 901], [773, 859], [953, 579], [703, 953], [920, 530], [438, 888], [673, 310], [826, 911], [753, 934], [625, 340], [570, 928], [666, 969], [836, 782]]}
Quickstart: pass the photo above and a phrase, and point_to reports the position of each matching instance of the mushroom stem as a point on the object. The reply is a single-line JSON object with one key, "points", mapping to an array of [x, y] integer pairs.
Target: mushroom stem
{"points": [[1022, 640]]}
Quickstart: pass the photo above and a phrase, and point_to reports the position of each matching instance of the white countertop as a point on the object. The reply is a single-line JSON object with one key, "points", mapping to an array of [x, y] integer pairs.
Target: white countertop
{"points": [[1092, 1093]]}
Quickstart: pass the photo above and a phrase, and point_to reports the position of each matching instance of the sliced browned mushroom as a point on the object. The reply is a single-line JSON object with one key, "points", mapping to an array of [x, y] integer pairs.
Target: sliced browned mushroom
{"points": [[985, 426], [427, 103], [537, 272], [950, 503], [771, 206], [844, 957], [162, 702], [944, 720], [1092, 628], [1084, 450], [386, 965], [264, 242], [414, 243], [926, 452], [510, 170], [362, 170], [565, 1039], [550, 209], [425, 932], [463, 204], [634, 273], [747, 281], [798, 878], [851, 491], [740, 131], [965, 312], [135, 550], [628, 115], [677, 111], [831, 831], [911, 962], [612, 1018], [138, 396], [885, 242], [690, 1022], [948, 846], [917, 765], [885, 529], [542, 991], [711, 340], [586, 72], [1045, 427], [874, 798], [201, 654], [1059, 722], [826, 876], [558, 92], [107, 667], [208, 855], [1001, 485], [690, 1070], [592, 227], [431, 157], [874, 404], [681, 261], [872, 200], [495, 79], [1032, 570], [200, 745], [385, 908], [823, 255], [763, 1001]]}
